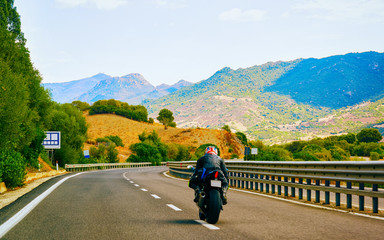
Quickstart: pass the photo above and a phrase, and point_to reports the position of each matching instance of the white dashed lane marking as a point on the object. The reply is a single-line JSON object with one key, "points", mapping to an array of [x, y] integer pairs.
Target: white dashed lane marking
{"points": [[144, 190], [136, 185], [155, 196], [207, 225], [174, 207]]}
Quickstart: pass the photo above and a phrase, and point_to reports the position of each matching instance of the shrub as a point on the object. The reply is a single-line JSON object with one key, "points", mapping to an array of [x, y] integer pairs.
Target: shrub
{"points": [[374, 156], [144, 152], [339, 153], [12, 166]]}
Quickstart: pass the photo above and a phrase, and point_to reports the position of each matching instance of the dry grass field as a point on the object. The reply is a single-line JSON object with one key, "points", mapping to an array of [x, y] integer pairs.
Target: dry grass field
{"points": [[102, 125]]}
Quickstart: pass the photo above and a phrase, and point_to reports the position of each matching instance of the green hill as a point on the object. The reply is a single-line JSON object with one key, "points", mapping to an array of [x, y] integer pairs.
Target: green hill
{"points": [[273, 100]]}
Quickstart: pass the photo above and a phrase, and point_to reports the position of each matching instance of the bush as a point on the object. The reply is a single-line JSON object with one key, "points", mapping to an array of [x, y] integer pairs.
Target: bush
{"points": [[12, 167], [134, 112], [115, 139], [374, 156], [144, 152]]}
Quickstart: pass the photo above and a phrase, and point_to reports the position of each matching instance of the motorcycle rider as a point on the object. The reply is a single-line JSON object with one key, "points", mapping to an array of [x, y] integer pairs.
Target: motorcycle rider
{"points": [[209, 162]]}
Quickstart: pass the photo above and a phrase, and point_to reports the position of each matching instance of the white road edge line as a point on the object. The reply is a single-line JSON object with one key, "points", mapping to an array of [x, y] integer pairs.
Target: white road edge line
{"points": [[293, 201], [155, 196], [13, 221], [174, 207], [126, 176], [207, 225], [144, 190]]}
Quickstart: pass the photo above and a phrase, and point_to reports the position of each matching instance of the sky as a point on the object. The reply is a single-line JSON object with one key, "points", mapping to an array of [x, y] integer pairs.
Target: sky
{"points": [[170, 40]]}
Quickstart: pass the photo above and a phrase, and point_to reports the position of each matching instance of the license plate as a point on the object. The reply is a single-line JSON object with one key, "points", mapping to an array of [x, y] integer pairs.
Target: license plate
{"points": [[215, 183]]}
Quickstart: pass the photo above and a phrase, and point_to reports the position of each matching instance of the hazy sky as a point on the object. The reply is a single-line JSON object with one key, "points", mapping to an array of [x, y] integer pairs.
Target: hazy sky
{"points": [[169, 40]]}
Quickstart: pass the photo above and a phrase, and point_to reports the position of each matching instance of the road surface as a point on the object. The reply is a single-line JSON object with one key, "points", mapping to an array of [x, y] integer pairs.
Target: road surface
{"points": [[142, 203]]}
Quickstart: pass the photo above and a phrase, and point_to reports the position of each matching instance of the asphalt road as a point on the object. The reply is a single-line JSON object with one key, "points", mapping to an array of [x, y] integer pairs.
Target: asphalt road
{"points": [[145, 204]]}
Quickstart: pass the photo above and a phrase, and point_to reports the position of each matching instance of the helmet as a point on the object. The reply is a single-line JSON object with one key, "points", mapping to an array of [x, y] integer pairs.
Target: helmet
{"points": [[211, 150]]}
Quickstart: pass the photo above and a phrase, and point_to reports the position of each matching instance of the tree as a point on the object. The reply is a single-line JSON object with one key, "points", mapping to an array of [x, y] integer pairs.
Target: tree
{"points": [[165, 117], [242, 137], [369, 135], [82, 106], [226, 128]]}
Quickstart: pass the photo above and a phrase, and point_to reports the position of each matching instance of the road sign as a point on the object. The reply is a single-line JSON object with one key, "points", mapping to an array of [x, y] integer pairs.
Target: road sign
{"points": [[254, 151], [86, 154], [53, 140]]}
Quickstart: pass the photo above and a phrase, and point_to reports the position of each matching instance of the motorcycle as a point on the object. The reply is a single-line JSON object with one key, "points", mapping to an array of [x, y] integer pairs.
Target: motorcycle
{"points": [[210, 202]]}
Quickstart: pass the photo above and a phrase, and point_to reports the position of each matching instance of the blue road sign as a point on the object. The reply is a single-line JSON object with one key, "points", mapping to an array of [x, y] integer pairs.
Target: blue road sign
{"points": [[53, 140]]}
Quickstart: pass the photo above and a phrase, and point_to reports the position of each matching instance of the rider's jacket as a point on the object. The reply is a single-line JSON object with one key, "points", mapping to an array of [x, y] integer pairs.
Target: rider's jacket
{"points": [[211, 162]]}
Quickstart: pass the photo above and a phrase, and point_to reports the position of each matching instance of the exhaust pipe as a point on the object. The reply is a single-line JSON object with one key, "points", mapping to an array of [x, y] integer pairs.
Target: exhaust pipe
{"points": [[200, 203]]}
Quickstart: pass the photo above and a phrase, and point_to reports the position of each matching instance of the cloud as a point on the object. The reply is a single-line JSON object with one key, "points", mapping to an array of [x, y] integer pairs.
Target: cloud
{"points": [[238, 15], [99, 4], [340, 10], [173, 4]]}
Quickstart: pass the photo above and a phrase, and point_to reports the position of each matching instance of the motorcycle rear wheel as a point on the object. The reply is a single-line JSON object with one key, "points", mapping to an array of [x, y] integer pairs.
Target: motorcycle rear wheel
{"points": [[213, 206]]}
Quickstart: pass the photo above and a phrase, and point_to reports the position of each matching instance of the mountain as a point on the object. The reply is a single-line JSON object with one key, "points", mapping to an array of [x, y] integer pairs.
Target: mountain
{"points": [[128, 88], [69, 91], [284, 100], [131, 88], [336, 81]]}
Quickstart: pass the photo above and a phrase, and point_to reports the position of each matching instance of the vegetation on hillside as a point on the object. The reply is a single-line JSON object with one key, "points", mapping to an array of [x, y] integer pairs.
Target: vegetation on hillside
{"points": [[334, 148], [134, 112], [152, 149]]}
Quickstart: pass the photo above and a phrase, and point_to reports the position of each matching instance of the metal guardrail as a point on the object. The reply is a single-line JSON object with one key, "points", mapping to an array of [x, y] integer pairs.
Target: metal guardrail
{"points": [[100, 166], [363, 179]]}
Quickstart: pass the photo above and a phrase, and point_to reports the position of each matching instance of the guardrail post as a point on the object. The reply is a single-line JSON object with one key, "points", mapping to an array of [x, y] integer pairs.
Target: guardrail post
{"points": [[337, 194], [349, 196], [361, 198], [267, 185], [247, 182], [261, 184], [375, 201], [273, 185], [300, 189], [327, 192], [293, 190], [279, 186], [317, 191], [238, 181], [256, 183], [286, 187], [309, 197], [251, 182], [242, 181], [230, 180]]}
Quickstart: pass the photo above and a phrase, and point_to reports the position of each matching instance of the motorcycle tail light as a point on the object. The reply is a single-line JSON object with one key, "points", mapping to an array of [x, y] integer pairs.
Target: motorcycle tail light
{"points": [[216, 174]]}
